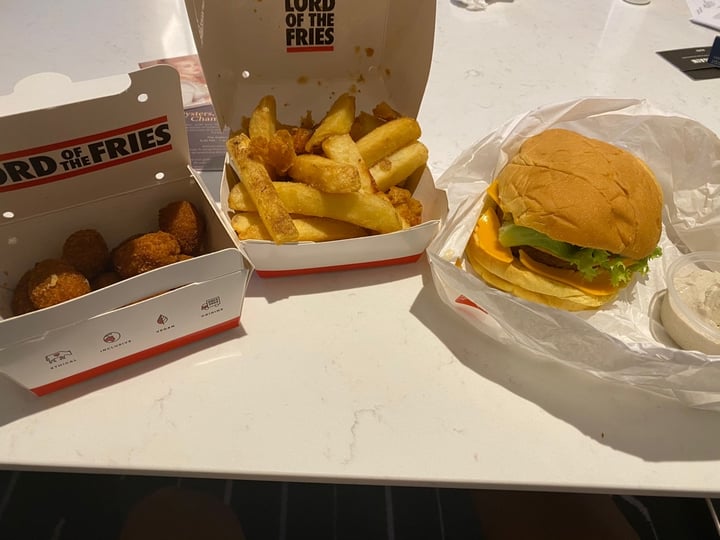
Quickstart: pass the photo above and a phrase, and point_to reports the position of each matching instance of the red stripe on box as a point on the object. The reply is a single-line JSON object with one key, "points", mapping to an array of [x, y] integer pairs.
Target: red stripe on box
{"points": [[86, 170], [131, 359], [83, 140], [323, 48], [371, 264]]}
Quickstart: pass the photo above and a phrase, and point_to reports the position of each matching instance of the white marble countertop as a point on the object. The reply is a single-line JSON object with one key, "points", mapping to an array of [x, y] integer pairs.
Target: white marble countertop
{"points": [[365, 376]]}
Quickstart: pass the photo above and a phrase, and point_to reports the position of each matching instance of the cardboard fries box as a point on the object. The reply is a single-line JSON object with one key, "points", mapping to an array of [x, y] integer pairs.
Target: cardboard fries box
{"points": [[307, 53], [109, 163]]}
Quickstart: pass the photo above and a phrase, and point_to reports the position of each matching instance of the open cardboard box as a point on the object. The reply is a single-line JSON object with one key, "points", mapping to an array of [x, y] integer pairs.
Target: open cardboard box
{"points": [[306, 54], [79, 161]]}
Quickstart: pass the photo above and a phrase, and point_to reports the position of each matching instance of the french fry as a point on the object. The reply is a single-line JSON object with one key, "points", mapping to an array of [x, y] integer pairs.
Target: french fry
{"points": [[409, 209], [337, 121], [367, 210], [411, 182], [249, 226], [278, 152], [364, 123], [385, 112], [387, 139], [263, 120], [325, 174], [254, 177], [350, 175], [393, 169], [300, 136], [342, 148]]}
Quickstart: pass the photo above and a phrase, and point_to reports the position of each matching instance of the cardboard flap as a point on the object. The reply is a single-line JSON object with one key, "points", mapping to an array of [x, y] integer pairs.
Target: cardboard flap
{"points": [[63, 152], [306, 53], [33, 92], [200, 269]]}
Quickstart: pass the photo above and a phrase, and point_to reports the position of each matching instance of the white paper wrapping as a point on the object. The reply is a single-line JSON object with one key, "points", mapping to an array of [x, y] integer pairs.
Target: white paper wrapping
{"points": [[624, 341]]}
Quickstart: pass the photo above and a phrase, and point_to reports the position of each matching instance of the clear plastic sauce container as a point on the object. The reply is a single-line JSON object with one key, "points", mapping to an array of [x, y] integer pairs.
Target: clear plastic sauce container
{"points": [[690, 311]]}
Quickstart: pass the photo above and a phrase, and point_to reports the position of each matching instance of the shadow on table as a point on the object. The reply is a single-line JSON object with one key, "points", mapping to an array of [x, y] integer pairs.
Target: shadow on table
{"points": [[620, 416], [275, 289], [16, 402]]}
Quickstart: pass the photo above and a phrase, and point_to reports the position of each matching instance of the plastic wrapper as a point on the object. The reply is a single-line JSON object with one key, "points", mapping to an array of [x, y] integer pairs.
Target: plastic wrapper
{"points": [[623, 341]]}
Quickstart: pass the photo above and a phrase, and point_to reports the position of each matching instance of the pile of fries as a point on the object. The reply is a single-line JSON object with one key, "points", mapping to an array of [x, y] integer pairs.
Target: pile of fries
{"points": [[350, 175]]}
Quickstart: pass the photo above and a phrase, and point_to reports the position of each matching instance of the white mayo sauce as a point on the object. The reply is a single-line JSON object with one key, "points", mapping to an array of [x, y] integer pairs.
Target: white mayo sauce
{"points": [[700, 291]]}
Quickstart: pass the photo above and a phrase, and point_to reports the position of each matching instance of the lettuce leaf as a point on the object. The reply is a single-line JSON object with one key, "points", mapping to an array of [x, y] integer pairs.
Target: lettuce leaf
{"points": [[588, 261]]}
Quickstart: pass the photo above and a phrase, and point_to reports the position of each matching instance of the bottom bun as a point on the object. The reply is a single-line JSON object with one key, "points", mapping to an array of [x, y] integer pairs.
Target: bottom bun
{"points": [[519, 281]]}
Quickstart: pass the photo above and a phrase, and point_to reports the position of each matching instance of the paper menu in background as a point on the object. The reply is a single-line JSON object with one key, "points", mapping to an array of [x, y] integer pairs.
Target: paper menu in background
{"points": [[705, 12], [206, 139]]}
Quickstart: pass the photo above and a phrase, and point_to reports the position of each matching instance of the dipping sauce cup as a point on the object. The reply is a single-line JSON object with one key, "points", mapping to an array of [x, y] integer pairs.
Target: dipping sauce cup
{"points": [[691, 308]]}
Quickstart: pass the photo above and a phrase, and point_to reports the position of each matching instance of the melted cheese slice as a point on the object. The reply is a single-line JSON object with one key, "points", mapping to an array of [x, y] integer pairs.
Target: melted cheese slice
{"points": [[492, 192], [486, 236], [599, 286]]}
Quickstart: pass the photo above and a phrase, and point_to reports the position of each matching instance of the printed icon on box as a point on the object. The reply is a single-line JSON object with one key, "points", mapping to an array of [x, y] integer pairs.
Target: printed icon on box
{"points": [[211, 303], [57, 356], [111, 337], [162, 319]]}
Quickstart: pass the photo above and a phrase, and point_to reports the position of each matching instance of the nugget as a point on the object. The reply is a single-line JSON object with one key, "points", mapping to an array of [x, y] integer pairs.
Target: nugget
{"points": [[145, 252], [184, 222], [87, 251], [52, 281], [21, 303]]}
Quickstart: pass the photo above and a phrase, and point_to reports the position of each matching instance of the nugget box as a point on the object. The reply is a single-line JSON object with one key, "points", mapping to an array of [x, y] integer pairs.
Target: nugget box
{"points": [[78, 161], [306, 54]]}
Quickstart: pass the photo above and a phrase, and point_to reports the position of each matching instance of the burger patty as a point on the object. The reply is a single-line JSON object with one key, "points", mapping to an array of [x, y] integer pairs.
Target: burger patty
{"points": [[544, 257], [536, 254]]}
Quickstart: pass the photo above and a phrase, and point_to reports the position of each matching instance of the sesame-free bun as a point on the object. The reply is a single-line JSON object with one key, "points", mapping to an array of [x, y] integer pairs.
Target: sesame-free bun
{"points": [[583, 191]]}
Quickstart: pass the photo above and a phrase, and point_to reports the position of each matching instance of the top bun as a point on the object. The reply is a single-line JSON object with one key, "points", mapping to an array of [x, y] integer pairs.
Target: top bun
{"points": [[585, 192]]}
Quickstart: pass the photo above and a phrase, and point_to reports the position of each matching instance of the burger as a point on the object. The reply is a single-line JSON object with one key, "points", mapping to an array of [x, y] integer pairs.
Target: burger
{"points": [[568, 222]]}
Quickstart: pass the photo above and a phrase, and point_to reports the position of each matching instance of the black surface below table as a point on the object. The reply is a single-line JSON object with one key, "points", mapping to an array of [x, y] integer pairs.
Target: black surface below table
{"points": [[74, 506]]}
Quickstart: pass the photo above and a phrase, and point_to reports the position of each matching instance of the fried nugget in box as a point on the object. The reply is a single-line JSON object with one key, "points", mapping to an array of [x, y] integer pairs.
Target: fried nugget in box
{"points": [[145, 252], [87, 251], [183, 220], [21, 303], [52, 281]]}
